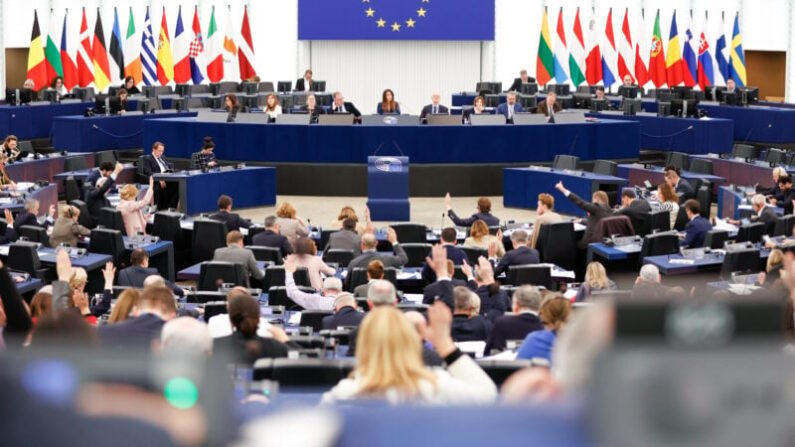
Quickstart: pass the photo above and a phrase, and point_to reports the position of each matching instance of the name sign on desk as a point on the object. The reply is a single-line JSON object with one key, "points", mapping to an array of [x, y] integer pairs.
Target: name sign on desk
{"points": [[388, 164]]}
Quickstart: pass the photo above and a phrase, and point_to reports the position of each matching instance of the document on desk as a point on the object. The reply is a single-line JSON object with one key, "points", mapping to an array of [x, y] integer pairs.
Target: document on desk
{"points": [[723, 225], [682, 261], [415, 298], [558, 272], [629, 248], [408, 275]]}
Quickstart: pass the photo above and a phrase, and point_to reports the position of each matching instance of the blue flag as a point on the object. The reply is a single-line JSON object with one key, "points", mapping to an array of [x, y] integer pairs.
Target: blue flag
{"points": [[396, 19]]}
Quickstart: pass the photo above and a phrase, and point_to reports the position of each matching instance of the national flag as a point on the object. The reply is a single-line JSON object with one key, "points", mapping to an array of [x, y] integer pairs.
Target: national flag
{"points": [[689, 65], [657, 56], [609, 52], [737, 61], [116, 50], [641, 70], [196, 50], [99, 56], [561, 52], [706, 78], [148, 59], [132, 52], [593, 63], [37, 65], [165, 61], [577, 56], [246, 56], [625, 48], [70, 78], [215, 56], [85, 68], [181, 51], [721, 61], [51, 52], [673, 62], [231, 65], [545, 62]]}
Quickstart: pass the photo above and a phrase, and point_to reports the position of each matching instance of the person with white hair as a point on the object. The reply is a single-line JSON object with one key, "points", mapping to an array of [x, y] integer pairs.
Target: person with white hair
{"points": [[762, 212], [648, 284], [332, 286], [346, 313], [154, 281], [468, 325], [186, 335], [774, 190], [30, 215]]}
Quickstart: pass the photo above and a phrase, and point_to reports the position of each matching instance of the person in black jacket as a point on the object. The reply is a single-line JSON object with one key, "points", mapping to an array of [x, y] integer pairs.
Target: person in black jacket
{"points": [[494, 301], [304, 84], [442, 288], [762, 212], [96, 195], [29, 216], [340, 106], [522, 79], [682, 187], [786, 195], [597, 209], [166, 194], [17, 319], [521, 254], [484, 213], [233, 220], [468, 324], [270, 237], [449, 237], [638, 210], [139, 270], [526, 303], [434, 108], [346, 313]]}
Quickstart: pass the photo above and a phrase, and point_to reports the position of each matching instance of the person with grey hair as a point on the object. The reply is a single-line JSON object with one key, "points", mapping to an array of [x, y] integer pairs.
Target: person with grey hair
{"points": [[510, 107], [380, 293], [346, 313], [30, 215], [332, 287], [521, 254], [526, 303], [468, 325], [648, 284], [270, 237], [762, 212], [186, 335], [154, 281]]}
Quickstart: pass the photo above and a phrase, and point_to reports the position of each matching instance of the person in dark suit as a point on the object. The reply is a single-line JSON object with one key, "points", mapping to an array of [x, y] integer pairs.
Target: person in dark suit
{"points": [[345, 313], [104, 170], [468, 324], [232, 107], [682, 187], [786, 195], [233, 220], [484, 213], [166, 194], [762, 213], [550, 104], [521, 254], [29, 216], [346, 238], [312, 109], [270, 237], [340, 106], [236, 254], [774, 190], [369, 244], [522, 79], [96, 195], [156, 306], [304, 84], [697, 226], [139, 270], [597, 209], [494, 301], [526, 304], [442, 288], [509, 108], [454, 253], [434, 108], [638, 210]]}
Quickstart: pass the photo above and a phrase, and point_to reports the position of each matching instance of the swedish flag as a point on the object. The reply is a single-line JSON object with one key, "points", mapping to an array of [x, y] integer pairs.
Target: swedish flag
{"points": [[737, 58]]}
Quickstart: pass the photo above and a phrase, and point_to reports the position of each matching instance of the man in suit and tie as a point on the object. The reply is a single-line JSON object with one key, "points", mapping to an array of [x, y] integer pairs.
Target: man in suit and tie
{"points": [[520, 255], [135, 275], [522, 79], [346, 313], [434, 108], [526, 303], [697, 226], [442, 288], [96, 195], [509, 108], [550, 107], [346, 238], [449, 237], [484, 213], [597, 209], [157, 305], [304, 84], [762, 212], [166, 194], [30, 215], [638, 210], [369, 244], [546, 215], [468, 324], [270, 237], [340, 106], [682, 187], [233, 220], [236, 254]]}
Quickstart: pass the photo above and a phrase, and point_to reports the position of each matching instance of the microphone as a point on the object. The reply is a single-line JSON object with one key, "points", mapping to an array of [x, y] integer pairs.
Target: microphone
{"points": [[442, 227]]}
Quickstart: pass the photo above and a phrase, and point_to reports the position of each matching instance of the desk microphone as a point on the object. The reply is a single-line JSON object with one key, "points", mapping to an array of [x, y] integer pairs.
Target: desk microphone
{"points": [[442, 227]]}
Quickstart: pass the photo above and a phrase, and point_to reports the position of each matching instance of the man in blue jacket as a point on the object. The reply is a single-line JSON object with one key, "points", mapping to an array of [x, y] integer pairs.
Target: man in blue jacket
{"points": [[510, 108], [697, 226]]}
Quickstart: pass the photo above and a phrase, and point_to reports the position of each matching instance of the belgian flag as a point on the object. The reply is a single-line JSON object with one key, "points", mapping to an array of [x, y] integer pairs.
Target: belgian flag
{"points": [[37, 65]]}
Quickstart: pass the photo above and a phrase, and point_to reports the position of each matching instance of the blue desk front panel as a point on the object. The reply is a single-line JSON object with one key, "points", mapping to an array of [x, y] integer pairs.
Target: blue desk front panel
{"points": [[759, 124], [99, 133], [28, 122], [250, 187]]}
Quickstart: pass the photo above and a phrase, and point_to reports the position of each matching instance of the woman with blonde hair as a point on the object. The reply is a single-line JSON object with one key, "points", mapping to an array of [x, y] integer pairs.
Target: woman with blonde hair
{"points": [[290, 225], [389, 364], [479, 237], [66, 230], [554, 312], [596, 280], [134, 221], [126, 306], [347, 212], [5, 180], [773, 269], [669, 201]]}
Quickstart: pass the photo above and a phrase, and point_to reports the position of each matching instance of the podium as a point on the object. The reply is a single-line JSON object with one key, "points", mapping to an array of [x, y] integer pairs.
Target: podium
{"points": [[388, 188]]}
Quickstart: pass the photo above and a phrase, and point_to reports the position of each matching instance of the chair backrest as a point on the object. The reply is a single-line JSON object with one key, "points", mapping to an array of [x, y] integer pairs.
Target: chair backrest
{"points": [[111, 218], [776, 156], [613, 226], [274, 277], [22, 256], [704, 197], [272, 254], [71, 189], [167, 227], [659, 221], [676, 159], [557, 244], [416, 253], [537, 275], [359, 276], [103, 156], [605, 167], [314, 318], [473, 253], [681, 219], [35, 234], [751, 232], [783, 225], [277, 296], [212, 274], [745, 151], [109, 242], [324, 237], [500, 370], [306, 372], [659, 244], [410, 232], [569, 162], [84, 218], [744, 261], [338, 256], [77, 163], [701, 166], [716, 239], [208, 235]]}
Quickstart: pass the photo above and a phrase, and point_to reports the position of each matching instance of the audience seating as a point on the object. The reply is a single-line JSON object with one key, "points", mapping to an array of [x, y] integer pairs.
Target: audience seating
{"points": [[309, 341], [742, 261], [71, 189], [716, 239], [212, 274], [681, 219], [277, 296], [103, 156], [783, 225], [303, 372], [677, 160], [208, 235], [500, 370], [23, 257], [751, 232], [338, 256], [614, 226], [409, 232], [775, 156], [111, 218], [267, 254], [416, 252], [537, 275], [605, 167], [569, 162], [557, 244], [109, 242], [473, 253], [35, 234], [314, 318], [746, 151], [659, 244], [274, 277], [324, 237], [701, 166], [359, 277], [74, 164], [658, 221], [206, 296], [84, 218], [342, 336], [213, 308], [704, 197]]}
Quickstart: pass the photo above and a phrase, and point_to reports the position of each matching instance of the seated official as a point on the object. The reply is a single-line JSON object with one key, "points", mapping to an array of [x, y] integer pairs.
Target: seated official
{"points": [[669, 201], [60, 89], [648, 284], [731, 86], [786, 194], [510, 108], [494, 301], [290, 225], [205, 158], [312, 108], [478, 108], [30, 216], [236, 254], [600, 93], [135, 275], [306, 256], [762, 212], [484, 213], [66, 230], [369, 253], [546, 215], [468, 324], [774, 190], [636, 209], [521, 254], [345, 239], [166, 194], [448, 240], [271, 237], [375, 272], [131, 208], [122, 95], [697, 226], [105, 170], [522, 79], [346, 313], [480, 237], [6, 183], [596, 280], [597, 209], [304, 84], [129, 85], [550, 107], [233, 220], [554, 312], [232, 106], [434, 108], [526, 305], [682, 187], [272, 107], [331, 288], [341, 106], [388, 105], [156, 306], [347, 212], [97, 194], [10, 147]]}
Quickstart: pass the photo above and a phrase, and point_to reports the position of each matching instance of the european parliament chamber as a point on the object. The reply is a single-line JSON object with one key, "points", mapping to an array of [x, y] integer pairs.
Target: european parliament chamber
{"points": [[494, 222]]}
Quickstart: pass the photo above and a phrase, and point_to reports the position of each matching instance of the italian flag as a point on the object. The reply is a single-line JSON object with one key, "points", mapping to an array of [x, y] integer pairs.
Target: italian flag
{"points": [[215, 44]]}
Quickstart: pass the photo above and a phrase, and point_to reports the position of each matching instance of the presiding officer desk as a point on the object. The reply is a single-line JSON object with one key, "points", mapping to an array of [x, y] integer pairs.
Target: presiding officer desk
{"points": [[35, 120]]}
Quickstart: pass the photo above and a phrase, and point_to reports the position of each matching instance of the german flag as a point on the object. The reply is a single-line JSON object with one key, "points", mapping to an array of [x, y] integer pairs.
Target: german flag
{"points": [[37, 65], [99, 56]]}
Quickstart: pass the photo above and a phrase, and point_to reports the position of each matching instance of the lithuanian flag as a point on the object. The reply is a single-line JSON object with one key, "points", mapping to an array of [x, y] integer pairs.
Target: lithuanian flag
{"points": [[545, 65]]}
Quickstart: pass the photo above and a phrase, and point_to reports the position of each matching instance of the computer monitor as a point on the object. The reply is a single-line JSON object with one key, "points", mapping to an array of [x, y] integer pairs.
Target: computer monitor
{"points": [[775, 156], [631, 106], [597, 105], [589, 89], [318, 86], [496, 87], [684, 108], [730, 99], [284, 86], [559, 89], [752, 95], [248, 88], [565, 162], [663, 109], [19, 96], [662, 94], [682, 92], [528, 88], [50, 95], [107, 104], [528, 102], [628, 92]]}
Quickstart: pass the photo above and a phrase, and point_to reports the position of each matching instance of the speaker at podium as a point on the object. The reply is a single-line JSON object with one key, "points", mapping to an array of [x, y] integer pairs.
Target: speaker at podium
{"points": [[388, 188]]}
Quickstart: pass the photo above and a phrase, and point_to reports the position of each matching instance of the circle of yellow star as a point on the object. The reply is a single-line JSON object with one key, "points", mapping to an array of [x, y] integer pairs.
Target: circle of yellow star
{"points": [[410, 22], [421, 12], [370, 12], [381, 22], [396, 27]]}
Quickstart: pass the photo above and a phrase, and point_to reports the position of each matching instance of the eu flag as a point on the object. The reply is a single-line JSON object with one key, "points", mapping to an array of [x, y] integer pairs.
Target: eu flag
{"points": [[396, 19]]}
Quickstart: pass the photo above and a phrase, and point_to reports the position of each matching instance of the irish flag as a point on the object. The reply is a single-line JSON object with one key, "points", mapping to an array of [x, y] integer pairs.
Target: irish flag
{"points": [[545, 64], [132, 52]]}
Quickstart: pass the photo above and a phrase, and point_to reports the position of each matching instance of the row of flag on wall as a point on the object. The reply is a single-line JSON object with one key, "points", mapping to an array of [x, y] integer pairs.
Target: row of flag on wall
{"points": [[608, 64], [134, 53]]}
